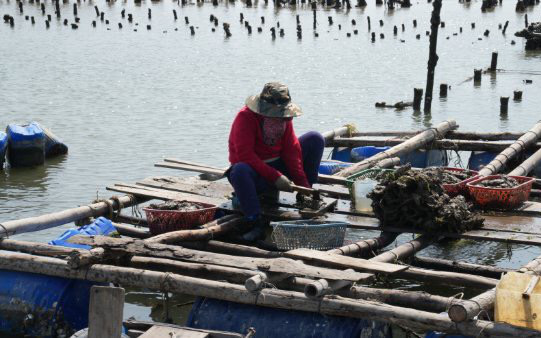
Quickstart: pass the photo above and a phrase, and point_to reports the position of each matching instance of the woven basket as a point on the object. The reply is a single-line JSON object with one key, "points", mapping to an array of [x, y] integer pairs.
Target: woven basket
{"points": [[500, 198], [161, 221], [318, 235]]}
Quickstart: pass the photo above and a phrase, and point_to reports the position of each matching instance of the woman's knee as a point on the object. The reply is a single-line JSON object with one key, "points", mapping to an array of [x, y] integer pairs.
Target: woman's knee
{"points": [[240, 170], [312, 139]]}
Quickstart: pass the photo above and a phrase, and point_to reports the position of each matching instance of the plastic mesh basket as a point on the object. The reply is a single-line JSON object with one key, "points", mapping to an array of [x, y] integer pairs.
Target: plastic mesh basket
{"points": [[458, 188], [318, 235], [161, 221], [500, 198], [367, 173]]}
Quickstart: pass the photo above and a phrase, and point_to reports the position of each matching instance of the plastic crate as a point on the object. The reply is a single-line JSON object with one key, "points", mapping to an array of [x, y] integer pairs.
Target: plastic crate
{"points": [[458, 188], [317, 235], [161, 221], [500, 198], [367, 173]]}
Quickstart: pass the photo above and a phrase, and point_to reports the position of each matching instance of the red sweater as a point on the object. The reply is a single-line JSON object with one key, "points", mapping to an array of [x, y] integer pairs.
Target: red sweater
{"points": [[246, 145]]}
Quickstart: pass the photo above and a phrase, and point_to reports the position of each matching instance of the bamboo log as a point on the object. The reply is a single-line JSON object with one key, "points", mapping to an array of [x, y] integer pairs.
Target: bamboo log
{"points": [[258, 282], [335, 305], [413, 143], [412, 299], [231, 249], [206, 271], [208, 232], [10, 228], [457, 266], [366, 246], [388, 163], [322, 287], [131, 231], [444, 144], [468, 309], [455, 135], [331, 134], [513, 150], [405, 250], [525, 167]]}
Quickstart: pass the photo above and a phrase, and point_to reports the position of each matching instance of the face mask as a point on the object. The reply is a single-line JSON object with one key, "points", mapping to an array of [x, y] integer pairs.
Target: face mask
{"points": [[273, 130]]}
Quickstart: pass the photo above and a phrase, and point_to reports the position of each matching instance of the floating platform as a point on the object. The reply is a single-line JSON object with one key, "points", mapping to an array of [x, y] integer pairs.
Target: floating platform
{"points": [[211, 262]]}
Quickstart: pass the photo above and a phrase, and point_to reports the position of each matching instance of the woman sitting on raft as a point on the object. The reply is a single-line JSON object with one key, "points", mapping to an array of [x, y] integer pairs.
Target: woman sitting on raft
{"points": [[266, 155]]}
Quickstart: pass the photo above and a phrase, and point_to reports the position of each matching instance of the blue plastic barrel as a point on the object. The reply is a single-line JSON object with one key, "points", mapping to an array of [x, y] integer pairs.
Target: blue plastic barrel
{"points": [[478, 159], [360, 153], [341, 154], [213, 314], [3, 148], [42, 306], [330, 167], [26, 145], [425, 158], [45, 306]]}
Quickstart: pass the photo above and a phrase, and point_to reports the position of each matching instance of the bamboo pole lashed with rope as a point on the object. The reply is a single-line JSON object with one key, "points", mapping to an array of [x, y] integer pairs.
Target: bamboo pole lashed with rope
{"points": [[530, 137], [405, 147]]}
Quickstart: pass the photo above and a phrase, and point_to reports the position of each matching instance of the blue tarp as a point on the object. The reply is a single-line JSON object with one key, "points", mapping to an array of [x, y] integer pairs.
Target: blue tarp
{"points": [[101, 226]]}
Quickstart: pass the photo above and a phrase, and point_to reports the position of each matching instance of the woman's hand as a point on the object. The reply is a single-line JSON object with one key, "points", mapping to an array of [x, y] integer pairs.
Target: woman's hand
{"points": [[283, 184]]}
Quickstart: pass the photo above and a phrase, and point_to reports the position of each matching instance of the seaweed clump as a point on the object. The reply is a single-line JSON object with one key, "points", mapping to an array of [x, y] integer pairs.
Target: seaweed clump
{"points": [[415, 199]]}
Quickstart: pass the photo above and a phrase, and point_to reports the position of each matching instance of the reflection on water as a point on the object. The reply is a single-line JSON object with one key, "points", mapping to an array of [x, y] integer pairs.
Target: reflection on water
{"points": [[123, 99]]}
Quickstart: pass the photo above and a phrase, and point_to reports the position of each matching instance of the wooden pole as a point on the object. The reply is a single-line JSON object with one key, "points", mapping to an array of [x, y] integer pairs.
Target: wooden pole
{"points": [[416, 299], [366, 246], [457, 266], [335, 305], [417, 98], [513, 150], [10, 228], [432, 55], [525, 167], [405, 147], [212, 229], [445, 144], [470, 136], [105, 312]]}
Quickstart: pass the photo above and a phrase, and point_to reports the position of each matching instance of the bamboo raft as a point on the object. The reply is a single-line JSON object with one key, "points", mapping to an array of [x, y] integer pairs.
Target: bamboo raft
{"points": [[208, 262]]}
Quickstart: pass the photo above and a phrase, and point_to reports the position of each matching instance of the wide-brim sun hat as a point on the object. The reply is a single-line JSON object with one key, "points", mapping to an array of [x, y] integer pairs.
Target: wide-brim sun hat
{"points": [[274, 101]]}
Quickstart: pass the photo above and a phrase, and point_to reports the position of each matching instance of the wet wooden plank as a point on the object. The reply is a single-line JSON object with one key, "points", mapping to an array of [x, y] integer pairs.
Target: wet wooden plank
{"points": [[279, 265], [168, 332], [345, 262]]}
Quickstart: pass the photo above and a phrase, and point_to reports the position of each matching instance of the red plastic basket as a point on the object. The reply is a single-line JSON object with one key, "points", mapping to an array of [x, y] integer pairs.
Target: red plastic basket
{"points": [[161, 221], [500, 198], [458, 188]]}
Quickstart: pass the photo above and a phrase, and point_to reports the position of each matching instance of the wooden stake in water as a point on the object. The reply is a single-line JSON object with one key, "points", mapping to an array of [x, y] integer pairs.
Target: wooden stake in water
{"points": [[105, 312], [494, 62], [432, 56]]}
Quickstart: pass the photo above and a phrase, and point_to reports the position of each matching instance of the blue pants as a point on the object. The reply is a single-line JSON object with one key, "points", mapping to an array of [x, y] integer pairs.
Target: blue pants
{"points": [[247, 183]]}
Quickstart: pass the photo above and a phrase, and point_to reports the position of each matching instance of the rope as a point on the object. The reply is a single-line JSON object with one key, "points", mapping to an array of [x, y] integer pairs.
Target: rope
{"points": [[109, 205], [459, 296], [120, 207]]}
